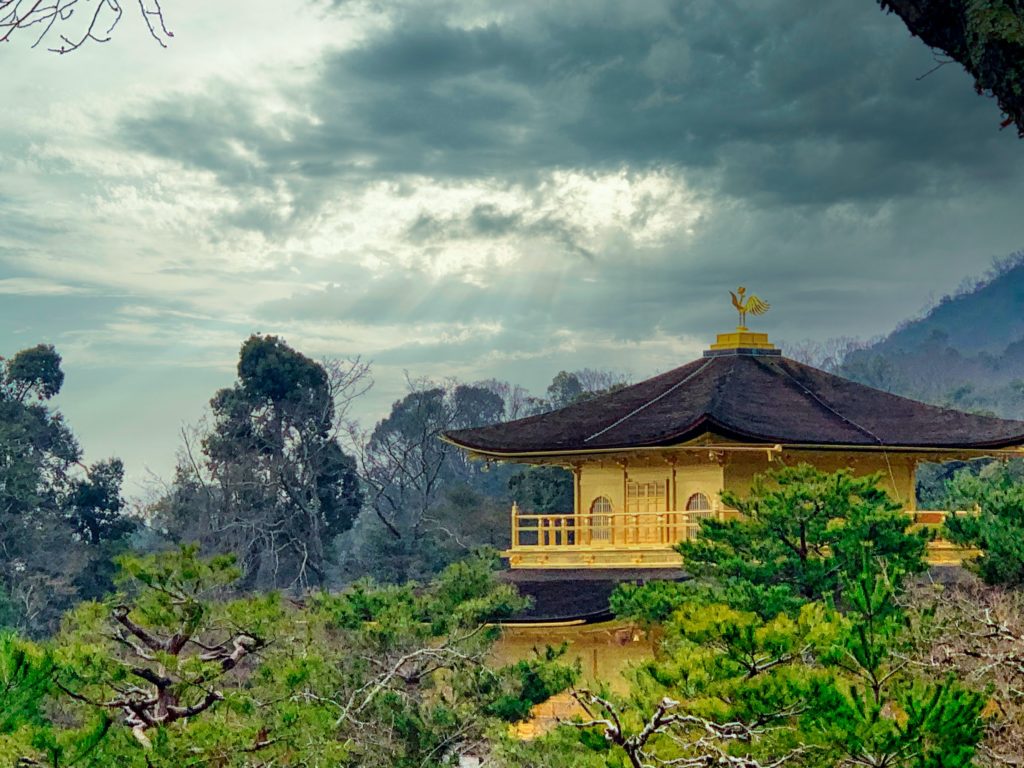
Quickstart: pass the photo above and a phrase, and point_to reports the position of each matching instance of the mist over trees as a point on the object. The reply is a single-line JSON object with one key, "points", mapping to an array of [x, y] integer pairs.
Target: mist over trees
{"points": [[278, 475], [429, 501], [966, 351]]}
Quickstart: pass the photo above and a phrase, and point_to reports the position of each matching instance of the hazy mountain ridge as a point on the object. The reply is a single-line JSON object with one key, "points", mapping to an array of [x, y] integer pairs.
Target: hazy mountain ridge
{"points": [[966, 352], [984, 315]]}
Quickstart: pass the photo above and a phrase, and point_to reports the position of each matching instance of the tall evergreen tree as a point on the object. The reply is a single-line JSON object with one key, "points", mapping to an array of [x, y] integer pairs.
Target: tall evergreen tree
{"points": [[799, 533], [49, 501], [272, 484]]}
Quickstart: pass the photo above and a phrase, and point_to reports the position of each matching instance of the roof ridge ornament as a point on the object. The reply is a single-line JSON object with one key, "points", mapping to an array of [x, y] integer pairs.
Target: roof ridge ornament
{"points": [[752, 304], [743, 341]]}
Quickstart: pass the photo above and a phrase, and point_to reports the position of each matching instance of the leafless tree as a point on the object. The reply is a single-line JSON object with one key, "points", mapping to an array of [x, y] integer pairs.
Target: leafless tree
{"points": [[601, 379], [518, 400], [697, 742], [977, 633], [827, 355], [402, 460], [73, 23], [40, 585], [418, 486]]}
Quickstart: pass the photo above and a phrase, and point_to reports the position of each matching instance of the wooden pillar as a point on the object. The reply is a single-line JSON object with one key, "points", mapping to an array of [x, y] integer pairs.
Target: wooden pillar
{"points": [[577, 491], [625, 505], [911, 503], [675, 501]]}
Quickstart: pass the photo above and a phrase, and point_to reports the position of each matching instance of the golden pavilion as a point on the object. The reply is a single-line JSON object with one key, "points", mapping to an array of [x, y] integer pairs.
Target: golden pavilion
{"points": [[649, 461]]}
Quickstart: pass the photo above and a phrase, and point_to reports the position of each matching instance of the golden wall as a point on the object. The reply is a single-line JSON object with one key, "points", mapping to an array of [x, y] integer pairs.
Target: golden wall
{"points": [[682, 475], [643, 511], [604, 650], [896, 470]]}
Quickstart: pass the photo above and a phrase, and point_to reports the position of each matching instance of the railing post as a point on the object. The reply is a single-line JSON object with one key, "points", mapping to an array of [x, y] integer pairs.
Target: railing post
{"points": [[515, 524]]}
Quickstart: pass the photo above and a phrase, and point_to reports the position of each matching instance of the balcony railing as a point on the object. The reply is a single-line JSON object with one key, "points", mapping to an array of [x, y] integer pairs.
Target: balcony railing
{"points": [[608, 530], [637, 530]]}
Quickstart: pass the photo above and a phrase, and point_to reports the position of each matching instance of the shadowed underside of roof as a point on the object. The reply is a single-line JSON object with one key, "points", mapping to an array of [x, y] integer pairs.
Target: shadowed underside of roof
{"points": [[752, 398], [577, 594]]}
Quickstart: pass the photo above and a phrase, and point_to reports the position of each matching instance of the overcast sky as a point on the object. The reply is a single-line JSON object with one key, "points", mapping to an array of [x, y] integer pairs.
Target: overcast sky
{"points": [[476, 189]]}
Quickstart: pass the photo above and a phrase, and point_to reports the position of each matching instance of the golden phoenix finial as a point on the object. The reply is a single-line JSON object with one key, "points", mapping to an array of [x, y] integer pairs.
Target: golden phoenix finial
{"points": [[751, 304]]}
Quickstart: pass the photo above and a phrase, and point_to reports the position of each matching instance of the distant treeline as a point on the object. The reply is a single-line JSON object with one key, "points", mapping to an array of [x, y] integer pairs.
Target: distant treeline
{"points": [[277, 474]]}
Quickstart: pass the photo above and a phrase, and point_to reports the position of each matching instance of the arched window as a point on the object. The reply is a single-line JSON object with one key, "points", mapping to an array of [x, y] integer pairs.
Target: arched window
{"points": [[601, 519], [698, 503]]}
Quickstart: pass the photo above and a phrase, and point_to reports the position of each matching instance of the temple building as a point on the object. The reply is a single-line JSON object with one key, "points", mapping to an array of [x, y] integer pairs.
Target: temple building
{"points": [[650, 460]]}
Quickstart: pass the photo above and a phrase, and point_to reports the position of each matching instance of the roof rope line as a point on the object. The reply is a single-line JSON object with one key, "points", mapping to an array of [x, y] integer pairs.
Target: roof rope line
{"points": [[828, 407], [865, 430], [650, 402]]}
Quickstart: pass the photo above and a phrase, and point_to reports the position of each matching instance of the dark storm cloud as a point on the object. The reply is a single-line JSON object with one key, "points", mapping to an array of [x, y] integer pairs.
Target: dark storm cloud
{"points": [[782, 102], [488, 221]]}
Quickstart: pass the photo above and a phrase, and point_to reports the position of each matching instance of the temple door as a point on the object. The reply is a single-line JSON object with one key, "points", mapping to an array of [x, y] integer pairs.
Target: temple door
{"points": [[646, 513]]}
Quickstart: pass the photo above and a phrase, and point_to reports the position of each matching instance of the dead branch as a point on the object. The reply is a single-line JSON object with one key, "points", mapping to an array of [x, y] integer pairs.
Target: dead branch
{"points": [[703, 739], [76, 22]]}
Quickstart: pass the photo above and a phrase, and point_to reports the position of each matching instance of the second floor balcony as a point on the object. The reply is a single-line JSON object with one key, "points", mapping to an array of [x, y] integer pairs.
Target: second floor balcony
{"points": [[641, 539]]}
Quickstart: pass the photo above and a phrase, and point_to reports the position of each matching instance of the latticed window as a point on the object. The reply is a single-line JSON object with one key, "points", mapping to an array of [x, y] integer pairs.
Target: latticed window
{"points": [[601, 518], [698, 503], [645, 497]]}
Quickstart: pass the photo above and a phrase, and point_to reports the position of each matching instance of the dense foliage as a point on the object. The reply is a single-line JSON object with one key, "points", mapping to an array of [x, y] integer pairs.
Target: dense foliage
{"points": [[169, 672], [803, 638], [800, 533], [993, 503]]}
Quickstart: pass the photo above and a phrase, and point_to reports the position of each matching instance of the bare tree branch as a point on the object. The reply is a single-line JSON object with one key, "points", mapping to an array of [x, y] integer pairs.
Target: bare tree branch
{"points": [[702, 740], [76, 22]]}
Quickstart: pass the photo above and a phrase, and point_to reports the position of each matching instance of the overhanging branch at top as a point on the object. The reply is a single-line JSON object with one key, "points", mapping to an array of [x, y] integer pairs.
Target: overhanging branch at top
{"points": [[985, 36]]}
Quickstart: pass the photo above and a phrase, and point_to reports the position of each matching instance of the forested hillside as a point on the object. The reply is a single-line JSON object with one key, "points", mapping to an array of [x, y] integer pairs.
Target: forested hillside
{"points": [[984, 315], [966, 352]]}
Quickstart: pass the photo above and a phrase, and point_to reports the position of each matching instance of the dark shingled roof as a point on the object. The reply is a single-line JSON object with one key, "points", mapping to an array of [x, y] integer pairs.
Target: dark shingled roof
{"points": [[748, 397], [575, 594]]}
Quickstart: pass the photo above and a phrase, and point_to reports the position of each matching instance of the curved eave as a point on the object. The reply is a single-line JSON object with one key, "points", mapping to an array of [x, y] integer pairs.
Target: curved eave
{"points": [[746, 441]]}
